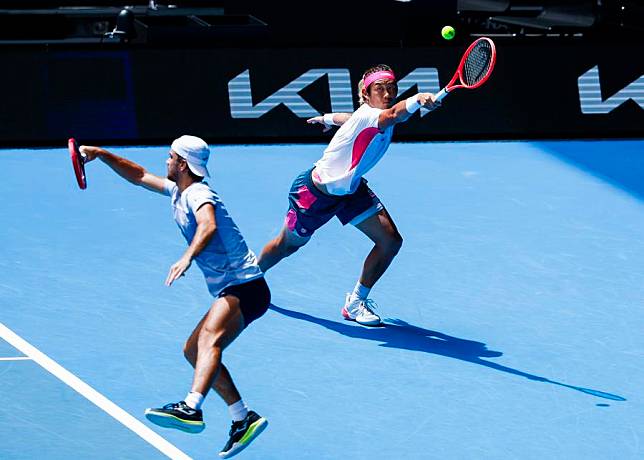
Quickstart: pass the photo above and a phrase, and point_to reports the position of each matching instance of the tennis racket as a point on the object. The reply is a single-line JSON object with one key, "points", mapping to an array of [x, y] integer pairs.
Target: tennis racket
{"points": [[78, 162], [474, 69]]}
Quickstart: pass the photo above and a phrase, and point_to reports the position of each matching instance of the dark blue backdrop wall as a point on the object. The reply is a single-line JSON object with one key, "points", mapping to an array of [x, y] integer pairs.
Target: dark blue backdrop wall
{"points": [[145, 95]]}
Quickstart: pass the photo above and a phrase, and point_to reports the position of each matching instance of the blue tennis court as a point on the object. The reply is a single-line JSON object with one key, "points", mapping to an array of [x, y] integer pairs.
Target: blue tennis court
{"points": [[514, 309]]}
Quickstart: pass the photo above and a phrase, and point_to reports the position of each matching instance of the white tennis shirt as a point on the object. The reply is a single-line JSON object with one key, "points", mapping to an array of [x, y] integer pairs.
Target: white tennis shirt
{"points": [[356, 148], [226, 259]]}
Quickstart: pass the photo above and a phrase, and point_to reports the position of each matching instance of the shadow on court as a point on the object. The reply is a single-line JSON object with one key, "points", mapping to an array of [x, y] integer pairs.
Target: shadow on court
{"points": [[620, 163], [399, 334]]}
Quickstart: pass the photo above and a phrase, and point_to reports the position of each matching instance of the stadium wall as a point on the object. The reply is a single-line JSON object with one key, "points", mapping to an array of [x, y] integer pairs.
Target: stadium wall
{"points": [[146, 96]]}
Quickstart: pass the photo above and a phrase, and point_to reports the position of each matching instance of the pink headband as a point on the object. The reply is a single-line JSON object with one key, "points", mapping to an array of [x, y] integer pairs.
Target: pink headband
{"points": [[369, 79]]}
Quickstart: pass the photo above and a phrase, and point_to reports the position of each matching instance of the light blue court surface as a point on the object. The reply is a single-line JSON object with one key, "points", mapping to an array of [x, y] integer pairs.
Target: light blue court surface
{"points": [[515, 308]]}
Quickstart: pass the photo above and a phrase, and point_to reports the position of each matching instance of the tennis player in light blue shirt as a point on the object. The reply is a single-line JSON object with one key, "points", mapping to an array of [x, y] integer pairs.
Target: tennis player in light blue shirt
{"points": [[232, 275]]}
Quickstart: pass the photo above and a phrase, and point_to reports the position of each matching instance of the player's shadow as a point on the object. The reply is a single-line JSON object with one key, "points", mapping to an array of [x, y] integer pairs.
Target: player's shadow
{"points": [[398, 334]]}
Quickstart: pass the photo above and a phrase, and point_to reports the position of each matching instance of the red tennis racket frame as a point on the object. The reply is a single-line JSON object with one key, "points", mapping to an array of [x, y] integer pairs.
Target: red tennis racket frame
{"points": [[458, 75], [78, 162]]}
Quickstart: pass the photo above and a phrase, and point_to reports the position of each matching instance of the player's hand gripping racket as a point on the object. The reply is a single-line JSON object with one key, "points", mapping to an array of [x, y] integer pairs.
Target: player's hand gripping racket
{"points": [[78, 162], [474, 69]]}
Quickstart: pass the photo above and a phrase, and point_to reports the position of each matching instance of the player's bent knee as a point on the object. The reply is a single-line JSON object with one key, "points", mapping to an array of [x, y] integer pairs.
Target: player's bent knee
{"points": [[392, 244], [212, 338], [392, 247], [397, 243]]}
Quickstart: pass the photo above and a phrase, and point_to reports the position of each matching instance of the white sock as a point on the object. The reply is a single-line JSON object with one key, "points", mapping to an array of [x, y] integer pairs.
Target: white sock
{"points": [[238, 411], [359, 292], [194, 400]]}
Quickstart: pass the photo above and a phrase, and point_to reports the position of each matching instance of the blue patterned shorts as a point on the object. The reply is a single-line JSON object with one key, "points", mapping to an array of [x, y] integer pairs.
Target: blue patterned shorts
{"points": [[309, 208]]}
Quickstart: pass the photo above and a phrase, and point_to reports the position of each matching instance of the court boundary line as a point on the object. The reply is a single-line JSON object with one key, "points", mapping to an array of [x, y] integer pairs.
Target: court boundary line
{"points": [[116, 412], [16, 358]]}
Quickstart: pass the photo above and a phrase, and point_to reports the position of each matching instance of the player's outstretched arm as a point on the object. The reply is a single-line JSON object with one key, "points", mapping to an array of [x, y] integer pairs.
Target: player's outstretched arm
{"points": [[402, 110], [329, 120], [130, 171]]}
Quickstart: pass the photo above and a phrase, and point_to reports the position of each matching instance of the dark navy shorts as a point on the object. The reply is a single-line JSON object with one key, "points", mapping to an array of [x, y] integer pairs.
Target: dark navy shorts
{"points": [[254, 298], [309, 208]]}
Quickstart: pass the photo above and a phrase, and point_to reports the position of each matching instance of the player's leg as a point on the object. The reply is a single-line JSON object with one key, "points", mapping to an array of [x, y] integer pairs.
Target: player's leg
{"points": [[365, 211], [285, 244], [254, 300], [223, 383], [309, 209], [381, 229], [223, 323], [219, 327]]}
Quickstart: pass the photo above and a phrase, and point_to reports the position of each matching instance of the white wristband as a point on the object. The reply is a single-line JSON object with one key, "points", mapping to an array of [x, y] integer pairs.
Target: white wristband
{"points": [[328, 119], [412, 104]]}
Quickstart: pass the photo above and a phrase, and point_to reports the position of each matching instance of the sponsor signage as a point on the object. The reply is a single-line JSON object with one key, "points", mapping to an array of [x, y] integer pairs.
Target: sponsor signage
{"points": [[144, 95], [590, 94]]}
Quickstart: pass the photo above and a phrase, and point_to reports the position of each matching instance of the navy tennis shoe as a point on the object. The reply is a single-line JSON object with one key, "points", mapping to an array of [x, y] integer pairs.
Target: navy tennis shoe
{"points": [[242, 433], [177, 415]]}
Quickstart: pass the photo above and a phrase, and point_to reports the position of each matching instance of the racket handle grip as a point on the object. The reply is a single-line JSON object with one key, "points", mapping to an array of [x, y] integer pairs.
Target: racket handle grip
{"points": [[441, 95]]}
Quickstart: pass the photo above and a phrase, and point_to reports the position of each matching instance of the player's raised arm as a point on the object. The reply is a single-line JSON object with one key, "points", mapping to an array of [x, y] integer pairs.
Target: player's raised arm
{"points": [[402, 110], [127, 169]]}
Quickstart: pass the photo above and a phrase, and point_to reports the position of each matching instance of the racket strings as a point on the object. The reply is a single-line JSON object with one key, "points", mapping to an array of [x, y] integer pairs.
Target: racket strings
{"points": [[477, 63]]}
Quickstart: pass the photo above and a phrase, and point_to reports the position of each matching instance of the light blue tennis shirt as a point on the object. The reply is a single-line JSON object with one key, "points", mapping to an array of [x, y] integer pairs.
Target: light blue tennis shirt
{"points": [[226, 260]]}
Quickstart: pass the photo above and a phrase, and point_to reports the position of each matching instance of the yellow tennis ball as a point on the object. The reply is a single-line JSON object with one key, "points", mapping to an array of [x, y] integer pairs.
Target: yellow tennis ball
{"points": [[448, 32]]}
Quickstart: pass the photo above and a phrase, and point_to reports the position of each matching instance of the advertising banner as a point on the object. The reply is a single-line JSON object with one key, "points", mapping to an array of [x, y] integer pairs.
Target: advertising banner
{"points": [[562, 90]]}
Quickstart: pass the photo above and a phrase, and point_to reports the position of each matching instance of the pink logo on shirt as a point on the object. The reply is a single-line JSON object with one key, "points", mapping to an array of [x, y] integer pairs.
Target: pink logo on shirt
{"points": [[360, 145]]}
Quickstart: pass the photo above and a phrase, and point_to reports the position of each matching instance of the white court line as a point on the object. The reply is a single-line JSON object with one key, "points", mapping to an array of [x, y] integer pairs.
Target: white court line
{"points": [[17, 358], [91, 394]]}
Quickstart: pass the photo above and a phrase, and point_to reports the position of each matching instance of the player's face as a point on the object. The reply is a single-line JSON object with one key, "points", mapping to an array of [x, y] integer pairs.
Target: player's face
{"points": [[382, 94], [173, 165]]}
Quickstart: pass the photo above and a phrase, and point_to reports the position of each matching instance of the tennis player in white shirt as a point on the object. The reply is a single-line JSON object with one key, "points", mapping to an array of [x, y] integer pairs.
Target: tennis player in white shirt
{"points": [[335, 186]]}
